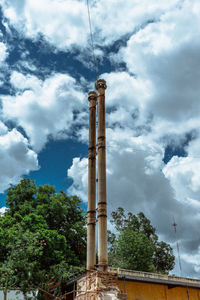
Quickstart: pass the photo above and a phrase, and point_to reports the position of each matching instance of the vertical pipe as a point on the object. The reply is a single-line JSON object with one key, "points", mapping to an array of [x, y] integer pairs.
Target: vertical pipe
{"points": [[188, 295], [74, 287], [91, 214], [102, 205], [124, 286]]}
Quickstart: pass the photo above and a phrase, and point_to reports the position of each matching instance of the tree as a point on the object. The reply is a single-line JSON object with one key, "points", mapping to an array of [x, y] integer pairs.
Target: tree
{"points": [[42, 235], [133, 251], [135, 244], [22, 266]]}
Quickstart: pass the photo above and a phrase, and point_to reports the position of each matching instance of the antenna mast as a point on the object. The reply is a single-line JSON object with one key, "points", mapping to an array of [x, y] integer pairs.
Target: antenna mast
{"points": [[177, 247]]}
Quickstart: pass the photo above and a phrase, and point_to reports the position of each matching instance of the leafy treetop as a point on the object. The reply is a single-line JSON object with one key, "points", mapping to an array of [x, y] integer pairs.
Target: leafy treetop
{"points": [[42, 236], [135, 244]]}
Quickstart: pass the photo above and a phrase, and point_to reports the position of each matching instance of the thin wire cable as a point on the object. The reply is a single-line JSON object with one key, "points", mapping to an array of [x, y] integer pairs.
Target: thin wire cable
{"points": [[92, 40]]}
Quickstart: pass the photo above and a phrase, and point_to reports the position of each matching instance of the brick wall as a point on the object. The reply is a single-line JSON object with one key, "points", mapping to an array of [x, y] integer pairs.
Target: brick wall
{"points": [[99, 286]]}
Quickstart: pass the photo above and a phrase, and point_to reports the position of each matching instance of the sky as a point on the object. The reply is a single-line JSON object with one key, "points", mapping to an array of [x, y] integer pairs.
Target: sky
{"points": [[148, 52]]}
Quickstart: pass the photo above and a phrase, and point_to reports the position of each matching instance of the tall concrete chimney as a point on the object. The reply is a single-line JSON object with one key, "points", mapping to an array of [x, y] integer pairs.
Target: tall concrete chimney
{"points": [[91, 214], [97, 284], [100, 85]]}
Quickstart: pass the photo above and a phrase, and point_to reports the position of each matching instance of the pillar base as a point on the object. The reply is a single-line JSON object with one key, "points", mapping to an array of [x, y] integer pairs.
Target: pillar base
{"points": [[99, 286]]}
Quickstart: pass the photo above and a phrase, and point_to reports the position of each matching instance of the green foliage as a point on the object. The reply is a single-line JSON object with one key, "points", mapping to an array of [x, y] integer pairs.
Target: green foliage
{"points": [[22, 265], [42, 237], [163, 257], [135, 245], [133, 251]]}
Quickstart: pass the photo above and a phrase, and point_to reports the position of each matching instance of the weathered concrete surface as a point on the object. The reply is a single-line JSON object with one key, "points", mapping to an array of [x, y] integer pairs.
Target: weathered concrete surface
{"points": [[91, 214], [102, 203], [99, 286]]}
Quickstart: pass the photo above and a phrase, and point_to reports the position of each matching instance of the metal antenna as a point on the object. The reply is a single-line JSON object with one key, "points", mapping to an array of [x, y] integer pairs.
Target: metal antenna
{"points": [[177, 247]]}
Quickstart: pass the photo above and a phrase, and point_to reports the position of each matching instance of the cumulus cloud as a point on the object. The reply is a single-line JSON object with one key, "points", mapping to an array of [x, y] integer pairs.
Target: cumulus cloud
{"points": [[167, 53], [65, 23], [44, 108], [124, 17], [183, 173], [138, 180], [3, 128], [78, 172], [193, 146], [16, 158], [3, 52], [62, 23]]}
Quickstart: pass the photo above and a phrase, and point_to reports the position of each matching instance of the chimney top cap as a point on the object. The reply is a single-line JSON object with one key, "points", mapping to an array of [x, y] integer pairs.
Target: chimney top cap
{"points": [[100, 83], [92, 95]]}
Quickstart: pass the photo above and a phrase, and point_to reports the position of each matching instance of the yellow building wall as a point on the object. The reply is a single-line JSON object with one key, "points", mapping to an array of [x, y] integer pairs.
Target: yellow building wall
{"points": [[150, 291]]}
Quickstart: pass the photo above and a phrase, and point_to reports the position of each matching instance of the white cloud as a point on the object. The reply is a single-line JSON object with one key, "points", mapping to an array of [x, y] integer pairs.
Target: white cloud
{"points": [[21, 82], [113, 19], [44, 108], [16, 158], [128, 160], [193, 146], [63, 23], [126, 91], [3, 210], [184, 175], [167, 53], [130, 104], [120, 145], [3, 52], [164, 57], [193, 260], [3, 128], [135, 181], [78, 172]]}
